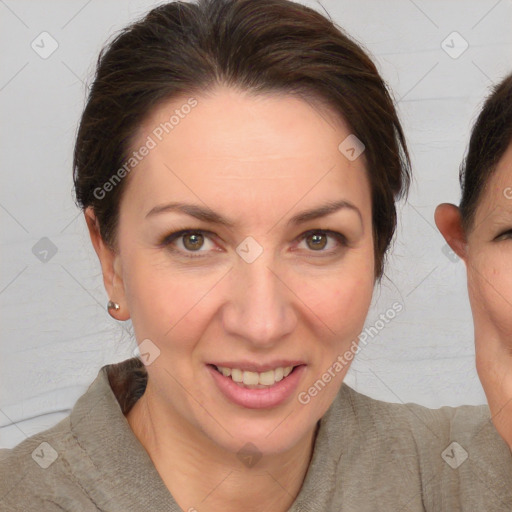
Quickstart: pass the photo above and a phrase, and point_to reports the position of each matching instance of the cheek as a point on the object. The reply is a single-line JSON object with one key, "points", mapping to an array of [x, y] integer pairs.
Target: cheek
{"points": [[490, 290], [162, 299], [336, 311], [348, 305], [341, 300]]}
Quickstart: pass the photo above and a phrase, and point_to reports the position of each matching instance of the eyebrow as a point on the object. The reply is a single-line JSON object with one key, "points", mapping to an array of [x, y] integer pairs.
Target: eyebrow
{"points": [[207, 215]]}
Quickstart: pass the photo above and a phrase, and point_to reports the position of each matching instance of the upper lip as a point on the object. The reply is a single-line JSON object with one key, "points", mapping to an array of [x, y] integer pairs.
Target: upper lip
{"points": [[258, 367]]}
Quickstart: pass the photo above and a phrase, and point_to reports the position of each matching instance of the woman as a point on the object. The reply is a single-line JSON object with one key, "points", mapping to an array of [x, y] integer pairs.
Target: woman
{"points": [[238, 164], [480, 232]]}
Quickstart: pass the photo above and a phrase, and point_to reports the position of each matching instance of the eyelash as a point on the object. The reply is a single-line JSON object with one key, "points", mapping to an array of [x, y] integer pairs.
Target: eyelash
{"points": [[169, 239], [507, 234]]}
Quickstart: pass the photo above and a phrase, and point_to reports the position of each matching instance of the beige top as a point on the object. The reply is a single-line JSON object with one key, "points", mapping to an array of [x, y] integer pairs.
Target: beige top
{"points": [[368, 456]]}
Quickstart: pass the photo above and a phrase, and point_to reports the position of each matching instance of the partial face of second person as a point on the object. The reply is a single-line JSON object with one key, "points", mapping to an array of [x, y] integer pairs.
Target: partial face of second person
{"points": [[263, 164], [487, 251]]}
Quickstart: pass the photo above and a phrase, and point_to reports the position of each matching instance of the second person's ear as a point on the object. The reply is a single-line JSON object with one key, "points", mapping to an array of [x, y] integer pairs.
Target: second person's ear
{"points": [[449, 222]]}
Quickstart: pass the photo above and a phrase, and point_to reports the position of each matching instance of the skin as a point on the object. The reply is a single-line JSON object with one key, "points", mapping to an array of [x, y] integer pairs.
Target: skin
{"points": [[486, 249], [258, 161]]}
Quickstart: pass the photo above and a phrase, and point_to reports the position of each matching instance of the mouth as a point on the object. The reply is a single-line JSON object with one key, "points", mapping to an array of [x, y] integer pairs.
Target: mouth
{"points": [[256, 380], [273, 385]]}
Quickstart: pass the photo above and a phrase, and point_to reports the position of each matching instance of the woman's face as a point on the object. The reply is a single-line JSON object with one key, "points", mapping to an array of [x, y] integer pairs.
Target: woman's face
{"points": [[489, 268], [276, 271]]}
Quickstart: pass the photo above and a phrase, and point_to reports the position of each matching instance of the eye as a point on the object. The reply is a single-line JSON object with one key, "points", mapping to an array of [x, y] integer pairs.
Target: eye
{"points": [[186, 242], [505, 235], [189, 241], [323, 241]]}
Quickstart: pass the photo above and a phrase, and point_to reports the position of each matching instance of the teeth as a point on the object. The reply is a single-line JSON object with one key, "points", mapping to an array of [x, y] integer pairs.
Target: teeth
{"points": [[236, 375], [251, 378], [268, 378], [226, 372]]}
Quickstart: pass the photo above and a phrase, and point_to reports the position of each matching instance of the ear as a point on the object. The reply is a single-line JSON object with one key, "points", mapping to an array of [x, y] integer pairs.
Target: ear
{"points": [[110, 265], [449, 222]]}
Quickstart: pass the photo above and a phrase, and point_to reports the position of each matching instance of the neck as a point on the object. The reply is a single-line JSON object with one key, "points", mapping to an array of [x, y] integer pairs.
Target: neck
{"points": [[201, 475]]}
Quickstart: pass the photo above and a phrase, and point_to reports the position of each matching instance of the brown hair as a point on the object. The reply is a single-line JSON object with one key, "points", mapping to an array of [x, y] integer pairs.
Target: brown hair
{"points": [[490, 137], [128, 381], [265, 46]]}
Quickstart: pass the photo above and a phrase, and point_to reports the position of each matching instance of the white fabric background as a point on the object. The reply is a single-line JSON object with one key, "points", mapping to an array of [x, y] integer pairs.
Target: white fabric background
{"points": [[55, 333]]}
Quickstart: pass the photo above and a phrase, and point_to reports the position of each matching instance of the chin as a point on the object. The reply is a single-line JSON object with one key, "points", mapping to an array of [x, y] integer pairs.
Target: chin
{"points": [[264, 435]]}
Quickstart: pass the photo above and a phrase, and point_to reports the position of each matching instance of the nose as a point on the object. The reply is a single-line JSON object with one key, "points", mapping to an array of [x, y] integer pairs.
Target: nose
{"points": [[260, 306]]}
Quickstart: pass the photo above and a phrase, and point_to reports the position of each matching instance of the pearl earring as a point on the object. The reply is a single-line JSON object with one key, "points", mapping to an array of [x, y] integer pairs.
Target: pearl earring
{"points": [[113, 305]]}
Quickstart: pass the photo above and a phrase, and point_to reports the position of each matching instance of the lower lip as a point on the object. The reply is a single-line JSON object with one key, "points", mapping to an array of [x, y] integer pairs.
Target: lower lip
{"points": [[258, 398]]}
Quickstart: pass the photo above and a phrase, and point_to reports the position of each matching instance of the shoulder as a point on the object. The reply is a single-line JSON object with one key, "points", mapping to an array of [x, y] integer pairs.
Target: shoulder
{"points": [[414, 418], [35, 471], [456, 452], [89, 461], [45, 472], [428, 429]]}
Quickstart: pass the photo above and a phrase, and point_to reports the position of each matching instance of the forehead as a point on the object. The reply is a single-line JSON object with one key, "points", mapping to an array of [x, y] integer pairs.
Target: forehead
{"points": [[233, 125], [279, 145]]}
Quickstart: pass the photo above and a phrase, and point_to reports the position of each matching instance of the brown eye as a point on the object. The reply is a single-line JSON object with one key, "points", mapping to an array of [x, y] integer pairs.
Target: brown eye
{"points": [[317, 241], [193, 241], [190, 243], [323, 242]]}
